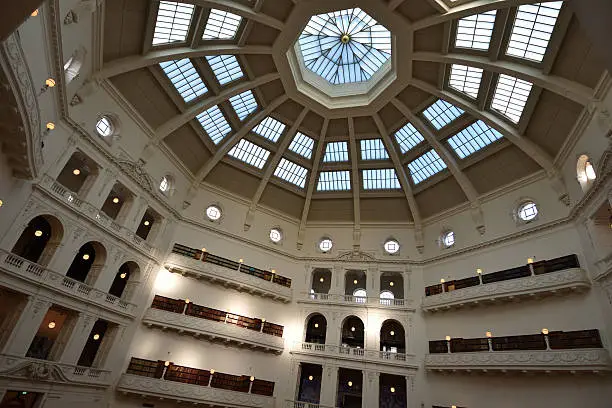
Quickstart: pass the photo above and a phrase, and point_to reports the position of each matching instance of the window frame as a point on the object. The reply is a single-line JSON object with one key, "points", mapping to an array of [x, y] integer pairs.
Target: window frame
{"points": [[218, 207]]}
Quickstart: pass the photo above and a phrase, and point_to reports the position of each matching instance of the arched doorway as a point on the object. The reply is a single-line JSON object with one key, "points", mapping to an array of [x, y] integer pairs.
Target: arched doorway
{"points": [[392, 338], [39, 240], [353, 333], [316, 329], [87, 263], [127, 271]]}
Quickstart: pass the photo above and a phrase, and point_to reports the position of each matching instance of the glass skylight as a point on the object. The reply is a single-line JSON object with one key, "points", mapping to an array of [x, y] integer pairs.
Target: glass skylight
{"points": [[380, 179], [250, 153], [345, 46], [221, 25], [408, 137], [533, 27], [302, 145], [373, 149], [214, 123], [291, 172], [336, 152], [334, 181], [473, 138], [270, 128], [172, 24], [511, 96], [475, 31], [441, 113], [426, 166], [185, 78], [244, 104], [225, 67], [465, 79]]}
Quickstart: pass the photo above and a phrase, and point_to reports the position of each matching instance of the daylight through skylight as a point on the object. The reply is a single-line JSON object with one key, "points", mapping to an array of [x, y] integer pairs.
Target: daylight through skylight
{"points": [[172, 23], [302, 145], [475, 31], [465, 79], [225, 67], [533, 27], [185, 78], [250, 153], [270, 128], [291, 172], [244, 104], [408, 137], [345, 46], [511, 96], [373, 149], [380, 179], [425, 166], [221, 25], [214, 123], [336, 152], [334, 181], [473, 138], [441, 113]]}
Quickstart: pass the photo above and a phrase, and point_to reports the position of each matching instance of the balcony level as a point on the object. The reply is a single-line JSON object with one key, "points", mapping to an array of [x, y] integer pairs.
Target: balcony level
{"points": [[204, 265], [164, 380], [357, 301], [201, 321], [534, 279], [556, 351]]}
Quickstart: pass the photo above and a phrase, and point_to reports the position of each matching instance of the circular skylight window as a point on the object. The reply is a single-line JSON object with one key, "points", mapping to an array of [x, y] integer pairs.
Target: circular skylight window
{"points": [[528, 211], [164, 185], [345, 46], [276, 235], [448, 239], [213, 213], [104, 126], [392, 246], [325, 245]]}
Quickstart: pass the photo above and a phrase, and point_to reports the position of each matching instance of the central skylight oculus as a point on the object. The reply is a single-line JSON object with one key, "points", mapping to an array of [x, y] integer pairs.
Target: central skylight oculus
{"points": [[345, 46]]}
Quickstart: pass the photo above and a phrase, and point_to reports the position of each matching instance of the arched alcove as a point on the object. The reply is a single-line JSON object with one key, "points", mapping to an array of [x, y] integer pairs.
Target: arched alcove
{"points": [[87, 263], [128, 273], [392, 337], [316, 329], [321, 280], [353, 332], [39, 240]]}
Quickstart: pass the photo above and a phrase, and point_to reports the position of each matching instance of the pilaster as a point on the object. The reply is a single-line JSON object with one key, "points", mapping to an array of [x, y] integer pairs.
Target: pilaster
{"points": [[78, 338], [373, 281], [329, 385], [370, 393], [30, 320], [337, 286]]}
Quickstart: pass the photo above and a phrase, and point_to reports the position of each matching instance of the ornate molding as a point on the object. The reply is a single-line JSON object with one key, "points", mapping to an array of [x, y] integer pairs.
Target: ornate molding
{"points": [[158, 388], [570, 279], [137, 173], [594, 360]]}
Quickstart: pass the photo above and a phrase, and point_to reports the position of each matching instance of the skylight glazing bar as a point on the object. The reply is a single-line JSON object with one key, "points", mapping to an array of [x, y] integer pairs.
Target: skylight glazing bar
{"points": [[302, 145], [215, 124], [244, 104], [441, 113], [475, 31], [291, 172], [172, 23], [225, 67], [473, 138], [336, 152], [380, 179], [373, 149], [185, 78], [408, 137], [532, 29], [334, 181], [511, 96], [425, 166], [270, 129], [221, 25], [250, 153], [465, 79]]}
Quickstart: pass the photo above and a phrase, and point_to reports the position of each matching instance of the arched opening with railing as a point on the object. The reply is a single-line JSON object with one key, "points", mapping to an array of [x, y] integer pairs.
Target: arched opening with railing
{"points": [[353, 333], [125, 278], [392, 337], [354, 285], [79, 174], [87, 263], [391, 287], [39, 240], [321, 281], [316, 329]]}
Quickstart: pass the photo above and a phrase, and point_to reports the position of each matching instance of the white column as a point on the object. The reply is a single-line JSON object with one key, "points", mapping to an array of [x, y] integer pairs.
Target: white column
{"points": [[370, 391], [373, 282], [57, 167], [78, 338], [407, 276], [109, 271], [410, 403], [101, 188], [139, 207], [329, 385], [30, 320], [110, 347], [337, 286]]}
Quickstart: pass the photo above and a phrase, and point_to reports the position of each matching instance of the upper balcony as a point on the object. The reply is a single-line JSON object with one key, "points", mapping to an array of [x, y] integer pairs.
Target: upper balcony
{"points": [[39, 275], [549, 351], [357, 301], [185, 316], [539, 278], [204, 265], [165, 380]]}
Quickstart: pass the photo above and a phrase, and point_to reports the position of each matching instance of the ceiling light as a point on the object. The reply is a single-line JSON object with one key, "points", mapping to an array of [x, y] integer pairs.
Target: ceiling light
{"points": [[529, 260], [76, 172], [241, 260], [116, 200], [147, 223], [50, 82], [96, 336], [544, 331], [352, 329], [350, 383], [448, 338], [355, 281], [167, 363], [453, 406], [321, 280], [442, 280], [86, 257], [310, 377], [38, 233], [187, 300], [489, 334], [1, 203], [316, 325], [34, 13], [51, 324], [123, 275], [212, 371], [391, 283], [392, 389], [50, 126], [392, 333], [252, 378], [479, 271], [203, 249], [273, 271]]}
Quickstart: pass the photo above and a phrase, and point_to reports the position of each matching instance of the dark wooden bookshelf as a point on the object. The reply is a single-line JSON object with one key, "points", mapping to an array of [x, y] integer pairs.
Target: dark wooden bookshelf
{"points": [[168, 304], [560, 340], [262, 387], [187, 375], [526, 342], [146, 368], [273, 329]]}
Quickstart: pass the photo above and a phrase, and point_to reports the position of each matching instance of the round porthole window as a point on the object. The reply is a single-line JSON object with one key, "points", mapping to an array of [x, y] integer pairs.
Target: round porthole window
{"points": [[527, 211], [326, 244], [104, 126], [392, 246], [276, 235], [213, 213], [448, 239]]}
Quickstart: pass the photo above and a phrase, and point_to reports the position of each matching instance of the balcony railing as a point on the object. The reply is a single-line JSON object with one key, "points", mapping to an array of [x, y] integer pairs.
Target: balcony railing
{"points": [[556, 350], [33, 369], [541, 277], [56, 281], [357, 354], [300, 404], [350, 300], [94, 214]]}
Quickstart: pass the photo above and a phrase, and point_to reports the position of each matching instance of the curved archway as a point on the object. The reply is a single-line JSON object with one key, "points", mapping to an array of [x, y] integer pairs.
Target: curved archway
{"points": [[39, 240], [127, 273], [316, 329], [321, 280], [87, 263], [353, 332], [392, 338]]}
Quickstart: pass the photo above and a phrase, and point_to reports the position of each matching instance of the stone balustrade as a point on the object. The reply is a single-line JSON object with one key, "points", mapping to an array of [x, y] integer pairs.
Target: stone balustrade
{"points": [[356, 301], [355, 354]]}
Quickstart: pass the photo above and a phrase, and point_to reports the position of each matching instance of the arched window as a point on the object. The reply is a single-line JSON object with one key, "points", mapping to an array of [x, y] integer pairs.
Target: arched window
{"points": [[360, 295], [585, 172], [39, 240], [386, 297], [325, 244], [213, 212], [392, 338], [527, 211], [126, 273], [316, 329], [87, 263], [447, 239], [353, 334]]}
